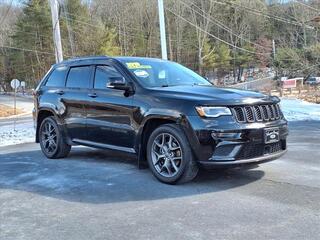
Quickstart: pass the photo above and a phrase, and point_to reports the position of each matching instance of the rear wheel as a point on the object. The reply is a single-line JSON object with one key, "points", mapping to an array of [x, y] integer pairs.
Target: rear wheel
{"points": [[169, 155], [51, 140]]}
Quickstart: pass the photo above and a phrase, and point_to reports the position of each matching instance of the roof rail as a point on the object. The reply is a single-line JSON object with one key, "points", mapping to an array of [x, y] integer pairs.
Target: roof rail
{"points": [[79, 58]]}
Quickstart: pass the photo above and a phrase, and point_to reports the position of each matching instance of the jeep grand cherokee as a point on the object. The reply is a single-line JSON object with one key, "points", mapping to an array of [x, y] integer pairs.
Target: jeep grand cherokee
{"points": [[172, 118]]}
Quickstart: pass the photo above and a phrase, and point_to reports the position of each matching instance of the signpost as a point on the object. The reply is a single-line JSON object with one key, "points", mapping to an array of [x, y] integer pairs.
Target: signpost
{"points": [[23, 85], [15, 83]]}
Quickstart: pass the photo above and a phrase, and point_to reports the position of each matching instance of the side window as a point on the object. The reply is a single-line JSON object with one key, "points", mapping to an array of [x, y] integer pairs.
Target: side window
{"points": [[57, 77], [79, 77], [102, 75]]}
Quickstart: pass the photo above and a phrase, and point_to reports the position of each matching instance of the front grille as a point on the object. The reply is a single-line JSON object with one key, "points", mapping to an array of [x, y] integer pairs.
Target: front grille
{"points": [[257, 113], [257, 150], [239, 113], [249, 114]]}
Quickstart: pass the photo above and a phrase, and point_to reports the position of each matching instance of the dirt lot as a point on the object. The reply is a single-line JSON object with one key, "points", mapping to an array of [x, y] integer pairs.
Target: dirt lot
{"points": [[6, 111]]}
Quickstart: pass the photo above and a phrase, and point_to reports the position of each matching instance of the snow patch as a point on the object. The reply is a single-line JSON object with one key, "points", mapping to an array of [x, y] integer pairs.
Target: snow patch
{"points": [[23, 133], [299, 110]]}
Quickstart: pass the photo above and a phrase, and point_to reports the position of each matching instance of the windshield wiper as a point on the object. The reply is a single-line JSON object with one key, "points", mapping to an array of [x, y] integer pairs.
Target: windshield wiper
{"points": [[165, 85], [200, 84]]}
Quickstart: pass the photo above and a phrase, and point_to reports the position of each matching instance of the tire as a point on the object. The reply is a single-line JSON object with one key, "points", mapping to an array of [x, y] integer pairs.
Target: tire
{"points": [[58, 150], [174, 163]]}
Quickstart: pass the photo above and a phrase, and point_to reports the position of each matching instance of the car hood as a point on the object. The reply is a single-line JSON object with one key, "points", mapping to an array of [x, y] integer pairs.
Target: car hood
{"points": [[214, 95]]}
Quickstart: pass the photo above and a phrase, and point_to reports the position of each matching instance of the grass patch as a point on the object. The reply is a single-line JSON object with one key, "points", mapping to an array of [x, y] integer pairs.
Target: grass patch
{"points": [[6, 111]]}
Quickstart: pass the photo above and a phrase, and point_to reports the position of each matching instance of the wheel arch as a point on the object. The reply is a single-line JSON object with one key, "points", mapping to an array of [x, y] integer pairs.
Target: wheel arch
{"points": [[148, 126]]}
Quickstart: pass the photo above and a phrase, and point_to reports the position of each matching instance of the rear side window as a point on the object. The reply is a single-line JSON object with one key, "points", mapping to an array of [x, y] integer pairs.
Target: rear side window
{"points": [[79, 77], [102, 75], [57, 77]]}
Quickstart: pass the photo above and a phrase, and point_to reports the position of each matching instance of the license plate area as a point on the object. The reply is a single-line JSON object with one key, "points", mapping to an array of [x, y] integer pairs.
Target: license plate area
{"points": [[271, 135]]}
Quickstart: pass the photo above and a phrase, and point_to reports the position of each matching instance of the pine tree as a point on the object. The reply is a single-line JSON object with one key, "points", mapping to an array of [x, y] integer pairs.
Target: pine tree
{"points": [[33, 32]]}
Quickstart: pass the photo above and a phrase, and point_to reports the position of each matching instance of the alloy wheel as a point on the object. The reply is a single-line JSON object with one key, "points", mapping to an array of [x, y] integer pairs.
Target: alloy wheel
{"points": [[166, 155], [49, 138]]}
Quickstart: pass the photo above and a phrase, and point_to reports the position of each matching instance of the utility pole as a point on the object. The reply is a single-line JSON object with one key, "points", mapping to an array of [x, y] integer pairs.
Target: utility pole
{"points": [[274, 54], [56, 30], [274, 49], [162, 30]]}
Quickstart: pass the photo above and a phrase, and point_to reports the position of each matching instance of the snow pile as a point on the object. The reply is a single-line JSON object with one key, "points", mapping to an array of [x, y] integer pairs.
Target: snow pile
{"points": [[24, 133], [299, 110]]}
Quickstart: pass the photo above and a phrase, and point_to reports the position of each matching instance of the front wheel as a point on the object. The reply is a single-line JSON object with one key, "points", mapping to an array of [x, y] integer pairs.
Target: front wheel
{"points": [[51, 140], [169, 155]]}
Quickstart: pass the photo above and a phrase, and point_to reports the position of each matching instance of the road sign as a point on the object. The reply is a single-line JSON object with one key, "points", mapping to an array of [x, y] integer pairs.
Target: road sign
{"points": [[15, 83], [23, 84]]}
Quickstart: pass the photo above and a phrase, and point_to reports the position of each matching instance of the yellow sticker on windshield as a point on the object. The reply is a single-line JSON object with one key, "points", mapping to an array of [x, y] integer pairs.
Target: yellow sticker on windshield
{"points": [[136, 65], [133, 65]]}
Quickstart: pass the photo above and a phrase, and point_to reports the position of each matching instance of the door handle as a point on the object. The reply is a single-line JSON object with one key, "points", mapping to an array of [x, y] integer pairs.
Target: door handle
{"points": [[60, 92], [92, 95]]}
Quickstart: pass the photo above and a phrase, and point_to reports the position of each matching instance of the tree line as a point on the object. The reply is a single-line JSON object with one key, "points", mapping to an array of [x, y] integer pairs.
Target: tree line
{"points": [[210, 36]]}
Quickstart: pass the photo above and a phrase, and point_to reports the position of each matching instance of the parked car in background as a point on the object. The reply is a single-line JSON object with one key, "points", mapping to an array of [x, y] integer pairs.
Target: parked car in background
{"points": [[313, 81], [166, 114]]}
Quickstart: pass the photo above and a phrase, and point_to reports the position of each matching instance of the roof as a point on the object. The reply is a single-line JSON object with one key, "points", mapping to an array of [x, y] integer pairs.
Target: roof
{"points": [[75, 59], [120, 58]]}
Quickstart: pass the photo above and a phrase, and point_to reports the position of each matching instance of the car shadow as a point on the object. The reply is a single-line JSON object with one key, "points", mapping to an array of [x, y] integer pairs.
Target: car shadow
{"points": [[100, 176]]}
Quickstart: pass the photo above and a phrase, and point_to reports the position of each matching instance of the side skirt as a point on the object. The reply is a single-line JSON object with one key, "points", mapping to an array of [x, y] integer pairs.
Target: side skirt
{"points": [[104, 146]]}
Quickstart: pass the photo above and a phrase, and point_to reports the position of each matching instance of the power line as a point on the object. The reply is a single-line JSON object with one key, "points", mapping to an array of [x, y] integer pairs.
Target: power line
{"points": [[257, 12], [215, 37], [26, 50], [7, 12], [71, 40], [123, 33], [306, 5], [219, 24], [103, 28], [29, 33], [272, 16]]}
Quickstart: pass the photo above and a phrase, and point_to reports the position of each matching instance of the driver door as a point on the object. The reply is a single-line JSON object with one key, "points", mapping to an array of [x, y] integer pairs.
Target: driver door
{"points": [[109, 112]]}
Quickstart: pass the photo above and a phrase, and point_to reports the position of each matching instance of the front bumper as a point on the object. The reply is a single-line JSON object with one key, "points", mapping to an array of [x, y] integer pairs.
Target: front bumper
{"points": [[225, 142], [256, 160]]}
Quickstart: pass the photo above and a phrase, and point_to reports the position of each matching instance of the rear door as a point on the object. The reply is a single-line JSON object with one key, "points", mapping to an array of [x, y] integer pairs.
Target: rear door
{"points": [[75, 98], [48, 94], [109, 114]]}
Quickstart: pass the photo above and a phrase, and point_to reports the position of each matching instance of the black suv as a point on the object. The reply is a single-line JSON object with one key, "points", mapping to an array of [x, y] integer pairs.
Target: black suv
{"points": [[168, 115]]}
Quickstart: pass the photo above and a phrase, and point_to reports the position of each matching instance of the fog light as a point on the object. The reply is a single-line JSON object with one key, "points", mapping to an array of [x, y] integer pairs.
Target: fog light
{"points": [[217, 135]]}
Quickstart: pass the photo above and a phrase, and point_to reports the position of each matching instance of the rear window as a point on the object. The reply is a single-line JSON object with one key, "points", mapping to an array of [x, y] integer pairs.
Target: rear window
{"points": [[57, 77], [79, 77]]}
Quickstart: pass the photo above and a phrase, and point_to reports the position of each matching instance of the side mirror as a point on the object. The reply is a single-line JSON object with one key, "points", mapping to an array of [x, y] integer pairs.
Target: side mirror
{"points": [[118, 83]]}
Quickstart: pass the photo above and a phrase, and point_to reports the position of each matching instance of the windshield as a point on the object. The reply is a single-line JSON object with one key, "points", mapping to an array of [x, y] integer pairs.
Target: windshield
{"points": [[157, 73]]}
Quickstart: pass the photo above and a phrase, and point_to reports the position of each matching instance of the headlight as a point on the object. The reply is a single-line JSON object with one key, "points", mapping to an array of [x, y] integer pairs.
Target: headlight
{"points": [[213, 111]]}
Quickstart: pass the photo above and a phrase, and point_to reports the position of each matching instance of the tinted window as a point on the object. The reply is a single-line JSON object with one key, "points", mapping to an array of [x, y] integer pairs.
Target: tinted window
{"points": [[79, 77], [57, 77], [103, 73]]}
